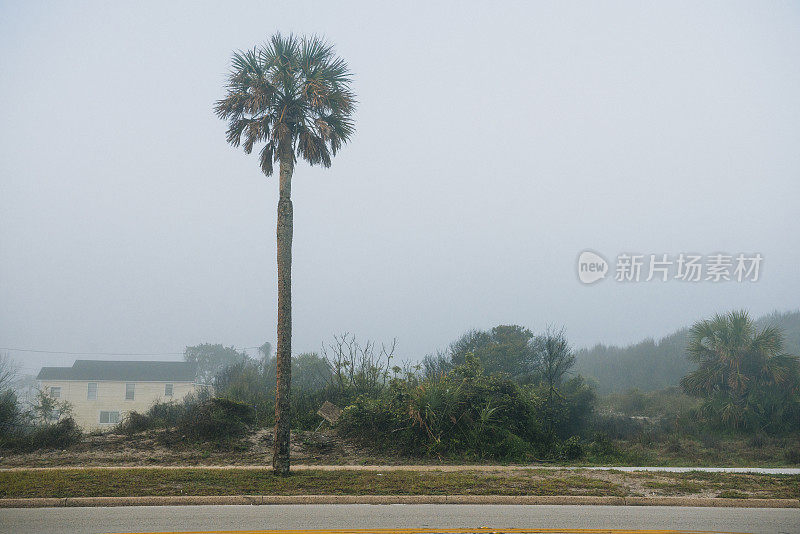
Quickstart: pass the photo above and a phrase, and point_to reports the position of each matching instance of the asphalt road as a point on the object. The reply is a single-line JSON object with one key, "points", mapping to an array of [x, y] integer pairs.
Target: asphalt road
{"points": [[436, 516]]}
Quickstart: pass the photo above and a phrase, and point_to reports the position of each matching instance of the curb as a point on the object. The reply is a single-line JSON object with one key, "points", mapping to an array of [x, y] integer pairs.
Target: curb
{"points": [[194, 500]]}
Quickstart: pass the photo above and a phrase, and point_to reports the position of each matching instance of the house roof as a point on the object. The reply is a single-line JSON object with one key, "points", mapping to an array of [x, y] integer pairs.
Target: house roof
{"points": [[142, 371]]}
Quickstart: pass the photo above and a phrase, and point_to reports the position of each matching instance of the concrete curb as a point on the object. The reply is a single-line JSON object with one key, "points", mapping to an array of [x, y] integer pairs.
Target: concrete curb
{"points": [[191, 500]]}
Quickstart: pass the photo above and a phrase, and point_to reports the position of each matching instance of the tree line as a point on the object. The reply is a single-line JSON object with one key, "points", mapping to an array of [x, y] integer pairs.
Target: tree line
{"points": [[651, 364]]}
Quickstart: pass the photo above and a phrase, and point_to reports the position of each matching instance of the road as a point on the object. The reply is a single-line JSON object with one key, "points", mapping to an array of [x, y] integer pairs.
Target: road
{"points": [[359, 516]]}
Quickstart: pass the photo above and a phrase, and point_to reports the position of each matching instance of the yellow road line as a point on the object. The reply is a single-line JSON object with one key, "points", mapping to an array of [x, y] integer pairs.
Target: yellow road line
{"points": [[453, 531]]}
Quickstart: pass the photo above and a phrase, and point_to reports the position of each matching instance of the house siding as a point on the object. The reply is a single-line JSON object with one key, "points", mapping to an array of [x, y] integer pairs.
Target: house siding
{"points": [[111, 398]]}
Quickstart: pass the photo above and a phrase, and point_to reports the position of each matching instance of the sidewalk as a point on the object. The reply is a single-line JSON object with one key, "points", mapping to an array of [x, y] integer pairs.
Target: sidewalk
{"points": [[395, 499], [442, 468]]}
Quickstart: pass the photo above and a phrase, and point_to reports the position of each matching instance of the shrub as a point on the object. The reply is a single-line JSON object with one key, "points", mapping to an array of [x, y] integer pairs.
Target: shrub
{"points": [[572, 449], [134, 422], [668, 402], [217, 419], [59, 435], [793, 455], [10, 414], [617, 426], [376, 423], [601, 447], [462, 413], [168, 414], [253, 382], [710, 440], [758, 441], [674, 445], [564, 411], [159, 415]]}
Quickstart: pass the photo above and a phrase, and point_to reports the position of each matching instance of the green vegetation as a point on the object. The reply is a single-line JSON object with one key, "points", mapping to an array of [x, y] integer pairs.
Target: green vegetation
{"points": [[196, 418], [58, 435], [45, 425], [468, 414], [156, 481], [212, 358], [665, 403], [506, 348], [252, 381], [217, 419], [746, 380], [10, 412], [652, 365], [739, 406]]}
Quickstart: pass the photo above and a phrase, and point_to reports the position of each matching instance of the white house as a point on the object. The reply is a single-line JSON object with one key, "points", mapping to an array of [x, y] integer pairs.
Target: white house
{"points": [[102, 392]]}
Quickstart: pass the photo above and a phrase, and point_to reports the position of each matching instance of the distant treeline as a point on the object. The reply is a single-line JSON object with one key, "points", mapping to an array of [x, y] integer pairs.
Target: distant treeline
{"points": [[652, 365]]}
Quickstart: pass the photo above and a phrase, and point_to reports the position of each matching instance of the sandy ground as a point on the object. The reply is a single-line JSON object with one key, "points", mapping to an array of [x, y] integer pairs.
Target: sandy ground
{"points": [[149, 449]]}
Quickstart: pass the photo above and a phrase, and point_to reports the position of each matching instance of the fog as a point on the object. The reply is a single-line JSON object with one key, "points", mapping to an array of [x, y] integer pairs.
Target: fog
{"points": [[493, 145]]}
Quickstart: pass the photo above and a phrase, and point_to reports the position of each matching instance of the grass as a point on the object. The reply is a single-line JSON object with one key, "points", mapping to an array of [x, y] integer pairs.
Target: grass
{"points": [[680, 487], [755, 485], [730, 451], [138, 482], [69, 482]]}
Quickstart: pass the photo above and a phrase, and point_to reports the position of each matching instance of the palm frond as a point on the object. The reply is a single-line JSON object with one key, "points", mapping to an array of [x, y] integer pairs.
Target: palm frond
{"points": [[293, 94]]}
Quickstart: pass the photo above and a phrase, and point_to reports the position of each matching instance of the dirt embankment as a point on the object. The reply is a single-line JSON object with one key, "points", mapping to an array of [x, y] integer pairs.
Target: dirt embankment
{"points": [[159, 448]]}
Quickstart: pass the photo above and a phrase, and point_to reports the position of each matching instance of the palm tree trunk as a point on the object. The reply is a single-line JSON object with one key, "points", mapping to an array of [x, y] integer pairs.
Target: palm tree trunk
{"points": [[280, 455]]}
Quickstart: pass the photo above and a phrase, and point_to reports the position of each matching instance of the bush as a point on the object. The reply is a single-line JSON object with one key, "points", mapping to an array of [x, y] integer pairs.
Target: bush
{"points": [[601, 447], [468, 414], [10, 414], [134, 422], [253, 383], [758, 441], [674, 445], [566, 411], [572, 449], [217, 419], [376, 423], [168, 414], [159, 415], [617, 426], [668, 402], [59, 435], [462, 413], [793, 455], [710, 440]]}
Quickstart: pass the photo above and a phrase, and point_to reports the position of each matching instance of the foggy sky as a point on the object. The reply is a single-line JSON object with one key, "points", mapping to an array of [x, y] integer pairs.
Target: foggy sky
{"points": [[494, 143]]}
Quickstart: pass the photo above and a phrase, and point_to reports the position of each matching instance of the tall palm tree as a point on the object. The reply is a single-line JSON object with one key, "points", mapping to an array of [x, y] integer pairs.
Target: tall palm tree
{"points": [[742, 371], [293, 95]]}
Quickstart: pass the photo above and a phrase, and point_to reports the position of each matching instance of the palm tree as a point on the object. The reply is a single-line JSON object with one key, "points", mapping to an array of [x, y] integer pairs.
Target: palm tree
{"points": [[742, 371], [292, 94]]}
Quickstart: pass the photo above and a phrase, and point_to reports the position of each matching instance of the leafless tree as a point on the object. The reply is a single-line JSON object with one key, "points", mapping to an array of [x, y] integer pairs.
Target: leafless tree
{"points": [[8, 371], [358, 368]]}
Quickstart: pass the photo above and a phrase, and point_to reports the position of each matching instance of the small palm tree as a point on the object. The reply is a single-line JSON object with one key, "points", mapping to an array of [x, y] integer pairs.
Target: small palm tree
{"points": [[293, 95], [742, 371]]}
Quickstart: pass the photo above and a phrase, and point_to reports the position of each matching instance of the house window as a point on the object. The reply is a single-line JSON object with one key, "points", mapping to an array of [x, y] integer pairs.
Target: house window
{"points": [[167, 390], [129, 391], [55, 392], [109, 418], [91, 392]]}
